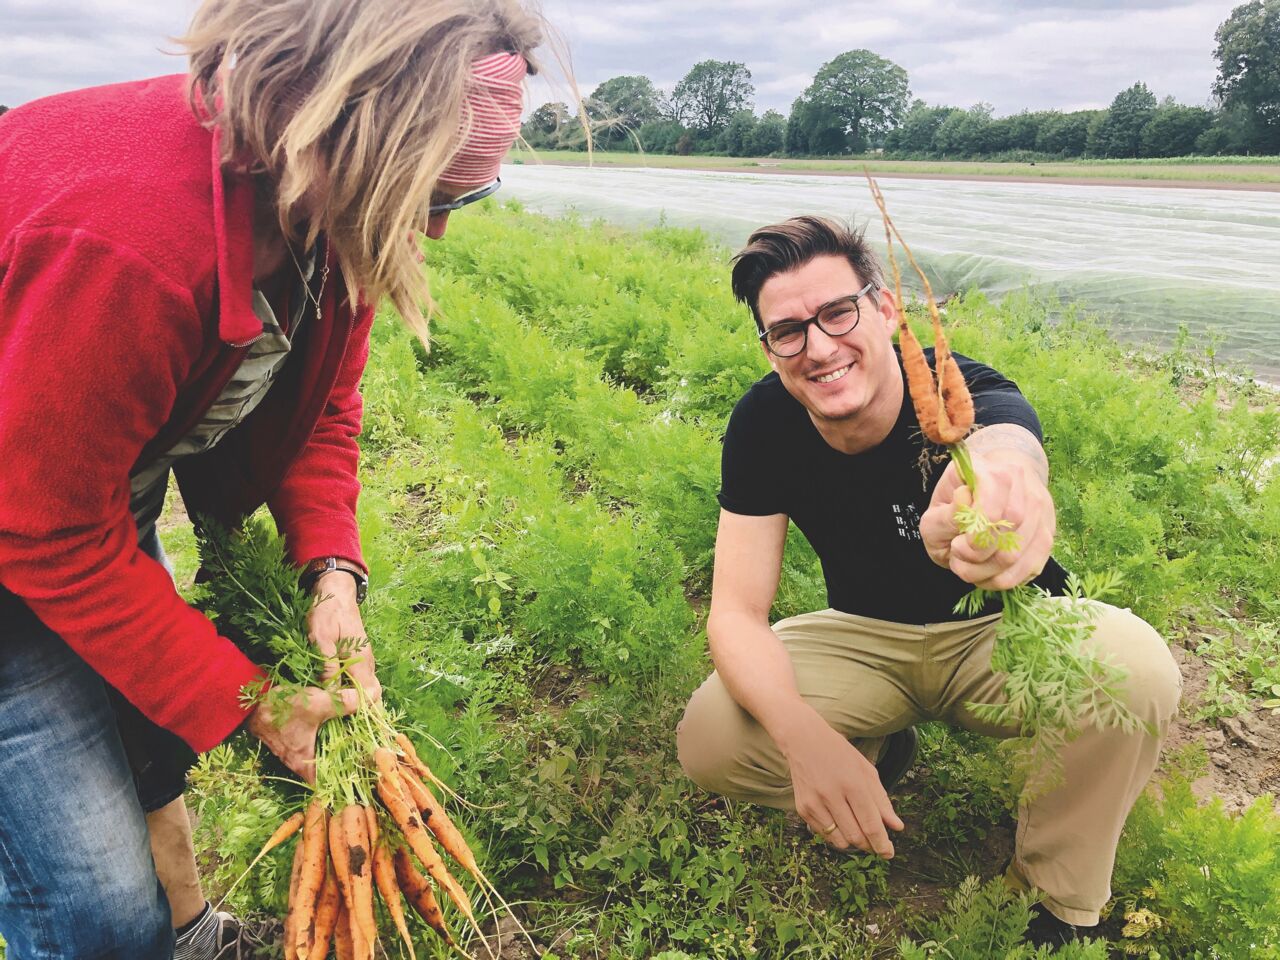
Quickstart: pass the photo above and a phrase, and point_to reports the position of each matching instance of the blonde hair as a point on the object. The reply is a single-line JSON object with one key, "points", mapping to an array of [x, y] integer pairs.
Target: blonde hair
{"points": [[353, 109]]}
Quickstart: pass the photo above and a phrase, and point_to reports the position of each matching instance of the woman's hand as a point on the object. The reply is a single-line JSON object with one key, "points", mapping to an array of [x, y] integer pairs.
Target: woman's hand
{"points": [[294, 740], [337, 615]]}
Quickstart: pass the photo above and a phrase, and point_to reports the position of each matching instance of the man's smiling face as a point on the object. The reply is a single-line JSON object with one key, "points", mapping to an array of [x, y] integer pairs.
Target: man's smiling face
{"points": [[851, 383]]}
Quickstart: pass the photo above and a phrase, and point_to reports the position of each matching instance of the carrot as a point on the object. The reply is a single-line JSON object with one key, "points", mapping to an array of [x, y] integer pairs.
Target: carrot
{"points": [[417, 764], [340, 854], [291, 914], [283, 833], [311, 878], [355, 825], [343, 947], [955, 393], [438, 822], [391, 791], [942, 403], [418, 892], [411, 757], [956, 399], [326, 915], [920, 383], [384, 876]]}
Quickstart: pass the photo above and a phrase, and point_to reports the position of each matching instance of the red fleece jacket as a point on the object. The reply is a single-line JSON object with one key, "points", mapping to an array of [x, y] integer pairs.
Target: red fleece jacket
{"points": [[126, 263]]}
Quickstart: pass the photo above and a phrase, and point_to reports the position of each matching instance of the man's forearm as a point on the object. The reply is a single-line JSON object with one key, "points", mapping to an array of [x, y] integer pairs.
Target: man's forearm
{"points": [[756, 670], [1009, 439]]}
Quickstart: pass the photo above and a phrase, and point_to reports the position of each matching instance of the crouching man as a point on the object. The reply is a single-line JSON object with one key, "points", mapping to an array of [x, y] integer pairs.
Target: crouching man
{"points": [[814, 714]]}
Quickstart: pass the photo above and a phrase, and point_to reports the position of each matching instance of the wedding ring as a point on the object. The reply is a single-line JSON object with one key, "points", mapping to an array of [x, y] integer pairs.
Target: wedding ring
{"points": [[830, 829]]}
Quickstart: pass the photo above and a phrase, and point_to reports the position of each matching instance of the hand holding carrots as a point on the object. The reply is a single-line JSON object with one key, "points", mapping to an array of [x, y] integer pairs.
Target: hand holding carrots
{"points": [[1013, 493], [294, 740]]}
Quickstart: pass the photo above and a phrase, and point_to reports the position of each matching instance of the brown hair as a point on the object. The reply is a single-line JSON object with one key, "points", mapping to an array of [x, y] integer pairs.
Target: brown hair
{"points": [[356, 107], [783, 247]]}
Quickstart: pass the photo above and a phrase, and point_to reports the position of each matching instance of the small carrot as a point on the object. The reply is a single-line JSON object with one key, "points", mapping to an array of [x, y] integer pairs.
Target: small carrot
{"points": [[391, 791], [291, 914], [438, 822], [343, 947], [326, 915], [315, 847], [340, 855], [283, 833], [956, 398], [920, 383], [416, 763], [418, 892], [355, 825], [384, 876]]}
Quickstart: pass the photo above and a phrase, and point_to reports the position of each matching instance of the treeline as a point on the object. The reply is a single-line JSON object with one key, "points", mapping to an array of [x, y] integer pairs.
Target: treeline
{"points": [[860, 102]]}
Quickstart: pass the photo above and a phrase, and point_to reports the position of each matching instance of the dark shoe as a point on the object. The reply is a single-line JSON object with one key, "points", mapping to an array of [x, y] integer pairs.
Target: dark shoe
{"points": [[899, 754], [214, 935], [1046, 930], [231, 938]]}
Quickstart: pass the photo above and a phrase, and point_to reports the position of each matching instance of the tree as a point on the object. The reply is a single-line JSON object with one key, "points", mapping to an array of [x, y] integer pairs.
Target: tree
{"points": [[660, 136], [1248, 55], [814, 128], [1174, 130], [710, 94], [1020, 131], [1233, 133], [966, 132], [1119, 133], [620, 106], [735, 139], [1066, 134], [769, 134], [865, 93], [547, 126], [916, 132], [3, 109]]}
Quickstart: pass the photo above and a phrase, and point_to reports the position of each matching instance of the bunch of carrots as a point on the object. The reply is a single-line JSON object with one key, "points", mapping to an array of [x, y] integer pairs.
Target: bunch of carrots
{"points": [[372, 820], [1054, 685], [341, 857]]}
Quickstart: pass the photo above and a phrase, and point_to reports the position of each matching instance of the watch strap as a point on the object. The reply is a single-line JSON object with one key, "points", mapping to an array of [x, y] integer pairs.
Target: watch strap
{"points": [[322, 565]]}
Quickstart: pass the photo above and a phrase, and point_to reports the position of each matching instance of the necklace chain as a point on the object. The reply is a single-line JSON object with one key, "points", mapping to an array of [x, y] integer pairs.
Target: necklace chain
{"points": [[306, 286]]}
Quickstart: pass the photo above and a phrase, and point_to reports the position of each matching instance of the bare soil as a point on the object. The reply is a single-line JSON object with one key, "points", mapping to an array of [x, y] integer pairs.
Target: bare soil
{"points": [[1244, 752]]}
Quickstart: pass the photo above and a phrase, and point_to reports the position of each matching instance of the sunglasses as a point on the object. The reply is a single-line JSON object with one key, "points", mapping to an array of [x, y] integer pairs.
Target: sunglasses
{"points": [[478, 194]]}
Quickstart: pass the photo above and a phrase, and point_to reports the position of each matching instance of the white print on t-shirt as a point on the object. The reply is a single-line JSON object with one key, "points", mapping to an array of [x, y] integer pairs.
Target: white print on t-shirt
{"points": [[908, 519]]}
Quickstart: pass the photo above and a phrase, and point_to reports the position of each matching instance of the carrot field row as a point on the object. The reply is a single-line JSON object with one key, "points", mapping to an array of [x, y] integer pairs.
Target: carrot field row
{"points": [[539, 514]]}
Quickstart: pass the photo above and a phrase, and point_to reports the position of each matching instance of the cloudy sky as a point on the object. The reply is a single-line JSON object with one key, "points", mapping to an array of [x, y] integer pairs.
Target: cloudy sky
{"points": [[1013, 54]]}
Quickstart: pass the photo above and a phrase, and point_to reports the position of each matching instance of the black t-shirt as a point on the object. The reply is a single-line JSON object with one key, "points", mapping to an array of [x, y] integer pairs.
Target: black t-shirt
{"points": [[861, 512]]}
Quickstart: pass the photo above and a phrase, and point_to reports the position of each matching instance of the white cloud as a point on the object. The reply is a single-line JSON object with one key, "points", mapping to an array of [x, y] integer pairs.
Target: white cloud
{"points": [[1014, 54]]}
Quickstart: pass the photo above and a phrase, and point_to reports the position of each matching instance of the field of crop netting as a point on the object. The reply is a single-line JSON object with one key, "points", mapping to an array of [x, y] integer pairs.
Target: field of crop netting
{"points": [[539, 517]]}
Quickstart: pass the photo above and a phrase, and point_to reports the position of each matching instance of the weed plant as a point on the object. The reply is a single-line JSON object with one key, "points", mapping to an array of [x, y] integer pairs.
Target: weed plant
{"points": [[1195, 882], [986, 922], [1244, 669]]}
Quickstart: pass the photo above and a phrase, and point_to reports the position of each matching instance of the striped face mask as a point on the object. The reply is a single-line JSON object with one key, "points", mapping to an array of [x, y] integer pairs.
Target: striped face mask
{"points": [[491, 119]]}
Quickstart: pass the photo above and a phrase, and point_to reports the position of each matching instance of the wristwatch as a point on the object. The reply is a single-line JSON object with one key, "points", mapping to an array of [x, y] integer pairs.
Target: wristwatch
{"points": [[322, 565]]}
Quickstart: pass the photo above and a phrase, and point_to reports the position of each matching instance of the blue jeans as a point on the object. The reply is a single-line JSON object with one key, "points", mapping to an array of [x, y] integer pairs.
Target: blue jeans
{"points": [[77, 881]]}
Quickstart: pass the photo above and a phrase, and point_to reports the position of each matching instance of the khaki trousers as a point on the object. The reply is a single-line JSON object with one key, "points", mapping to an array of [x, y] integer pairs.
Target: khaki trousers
{"points": [[869, 678]]}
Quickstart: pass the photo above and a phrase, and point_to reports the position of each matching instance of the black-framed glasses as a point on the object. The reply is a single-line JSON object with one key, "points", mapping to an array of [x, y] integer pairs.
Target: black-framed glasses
{"points": [[835, 319], [478, 194]]}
